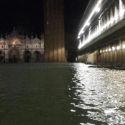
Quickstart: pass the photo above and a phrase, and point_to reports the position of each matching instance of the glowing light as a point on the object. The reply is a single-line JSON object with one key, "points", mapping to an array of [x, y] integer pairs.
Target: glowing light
{"points": [[119, 14], [123, 46], [106, 50], [116, 14], [121, 9], [87, 24], [14, 43], [110, 50], [96, 8], [118, 47], [113, 48], [78, 37]]}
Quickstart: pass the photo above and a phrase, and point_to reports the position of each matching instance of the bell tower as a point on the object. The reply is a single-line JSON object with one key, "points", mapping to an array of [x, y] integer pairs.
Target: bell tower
{"points": [[54, 31]]}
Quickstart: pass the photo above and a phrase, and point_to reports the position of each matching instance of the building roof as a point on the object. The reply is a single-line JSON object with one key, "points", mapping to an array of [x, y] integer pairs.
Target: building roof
{"points": [[89, 9]]}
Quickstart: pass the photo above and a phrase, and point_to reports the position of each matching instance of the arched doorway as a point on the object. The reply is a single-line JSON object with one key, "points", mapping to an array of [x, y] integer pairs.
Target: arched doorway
{"points": [[2, 56], [27, 56], [14, 55], [37, 56]]}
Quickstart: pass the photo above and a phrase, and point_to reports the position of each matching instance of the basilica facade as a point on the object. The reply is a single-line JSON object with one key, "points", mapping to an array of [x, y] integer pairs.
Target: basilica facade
{"points": [[15, 47]]}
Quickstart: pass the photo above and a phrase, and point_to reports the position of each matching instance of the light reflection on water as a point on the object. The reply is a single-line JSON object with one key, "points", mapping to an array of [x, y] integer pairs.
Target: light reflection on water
{"points": [[98, 95], [61, 94]]}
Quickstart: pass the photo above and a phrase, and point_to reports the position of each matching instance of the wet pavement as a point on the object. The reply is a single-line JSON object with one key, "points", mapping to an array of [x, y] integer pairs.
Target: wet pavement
{"points": [[61, 94]]}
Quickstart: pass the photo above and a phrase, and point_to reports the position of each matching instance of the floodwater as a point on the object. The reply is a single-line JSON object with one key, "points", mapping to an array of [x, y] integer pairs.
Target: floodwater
{"points": [[61, 94]]}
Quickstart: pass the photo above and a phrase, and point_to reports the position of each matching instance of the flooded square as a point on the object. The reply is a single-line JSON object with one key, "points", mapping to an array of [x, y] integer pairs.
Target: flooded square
{"points": [[61, 94]]}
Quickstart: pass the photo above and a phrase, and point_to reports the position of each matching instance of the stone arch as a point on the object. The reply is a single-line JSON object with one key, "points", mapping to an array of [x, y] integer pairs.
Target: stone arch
{"points": [[37, 56], [27, 56], [2, 56], [14, 55]]}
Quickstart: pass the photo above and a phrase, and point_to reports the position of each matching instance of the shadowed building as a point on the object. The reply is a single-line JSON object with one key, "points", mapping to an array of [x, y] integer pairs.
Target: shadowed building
{"points": [[54, 31], [15, 47]]}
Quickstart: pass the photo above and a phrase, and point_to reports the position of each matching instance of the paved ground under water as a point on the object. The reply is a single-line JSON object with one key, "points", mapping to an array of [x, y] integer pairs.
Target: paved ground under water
{"points": [[61, 94]]}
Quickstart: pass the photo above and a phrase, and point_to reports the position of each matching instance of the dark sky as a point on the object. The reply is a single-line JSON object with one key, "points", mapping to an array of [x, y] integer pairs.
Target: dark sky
{"points": [[74, 10], [27, 15], [21, 14]]}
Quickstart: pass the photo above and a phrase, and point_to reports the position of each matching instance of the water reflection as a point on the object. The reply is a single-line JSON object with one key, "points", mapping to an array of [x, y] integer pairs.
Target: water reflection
{"points": [[98, 96], [61, 94]]}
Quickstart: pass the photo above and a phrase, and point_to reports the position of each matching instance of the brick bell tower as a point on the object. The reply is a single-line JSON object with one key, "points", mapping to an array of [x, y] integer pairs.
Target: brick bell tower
{"points": [[54, 31]]}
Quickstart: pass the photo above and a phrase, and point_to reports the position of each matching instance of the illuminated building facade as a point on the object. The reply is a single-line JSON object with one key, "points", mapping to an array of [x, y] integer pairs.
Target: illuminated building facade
{"points": [[101, 33], [20, 48], [54, 31]]}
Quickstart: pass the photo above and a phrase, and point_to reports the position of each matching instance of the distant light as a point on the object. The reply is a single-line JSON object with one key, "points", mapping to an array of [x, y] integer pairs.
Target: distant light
{"points": [[123, 46], [122, 8], [118, 47], [118, 15], [95, 9], [110, 50], [106, 50], [14, 43], [87, 24], [78, 37], [82, 31], [113, 48], [98, 10]]}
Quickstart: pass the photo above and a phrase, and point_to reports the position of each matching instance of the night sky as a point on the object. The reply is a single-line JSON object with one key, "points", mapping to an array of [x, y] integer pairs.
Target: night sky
{"points": [[27, 15], [23, 15], [74, 10]]}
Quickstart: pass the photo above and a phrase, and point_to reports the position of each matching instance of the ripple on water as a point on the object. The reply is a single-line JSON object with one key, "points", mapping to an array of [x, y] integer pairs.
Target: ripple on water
{"points": [[102, 96], [61, 94]]}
